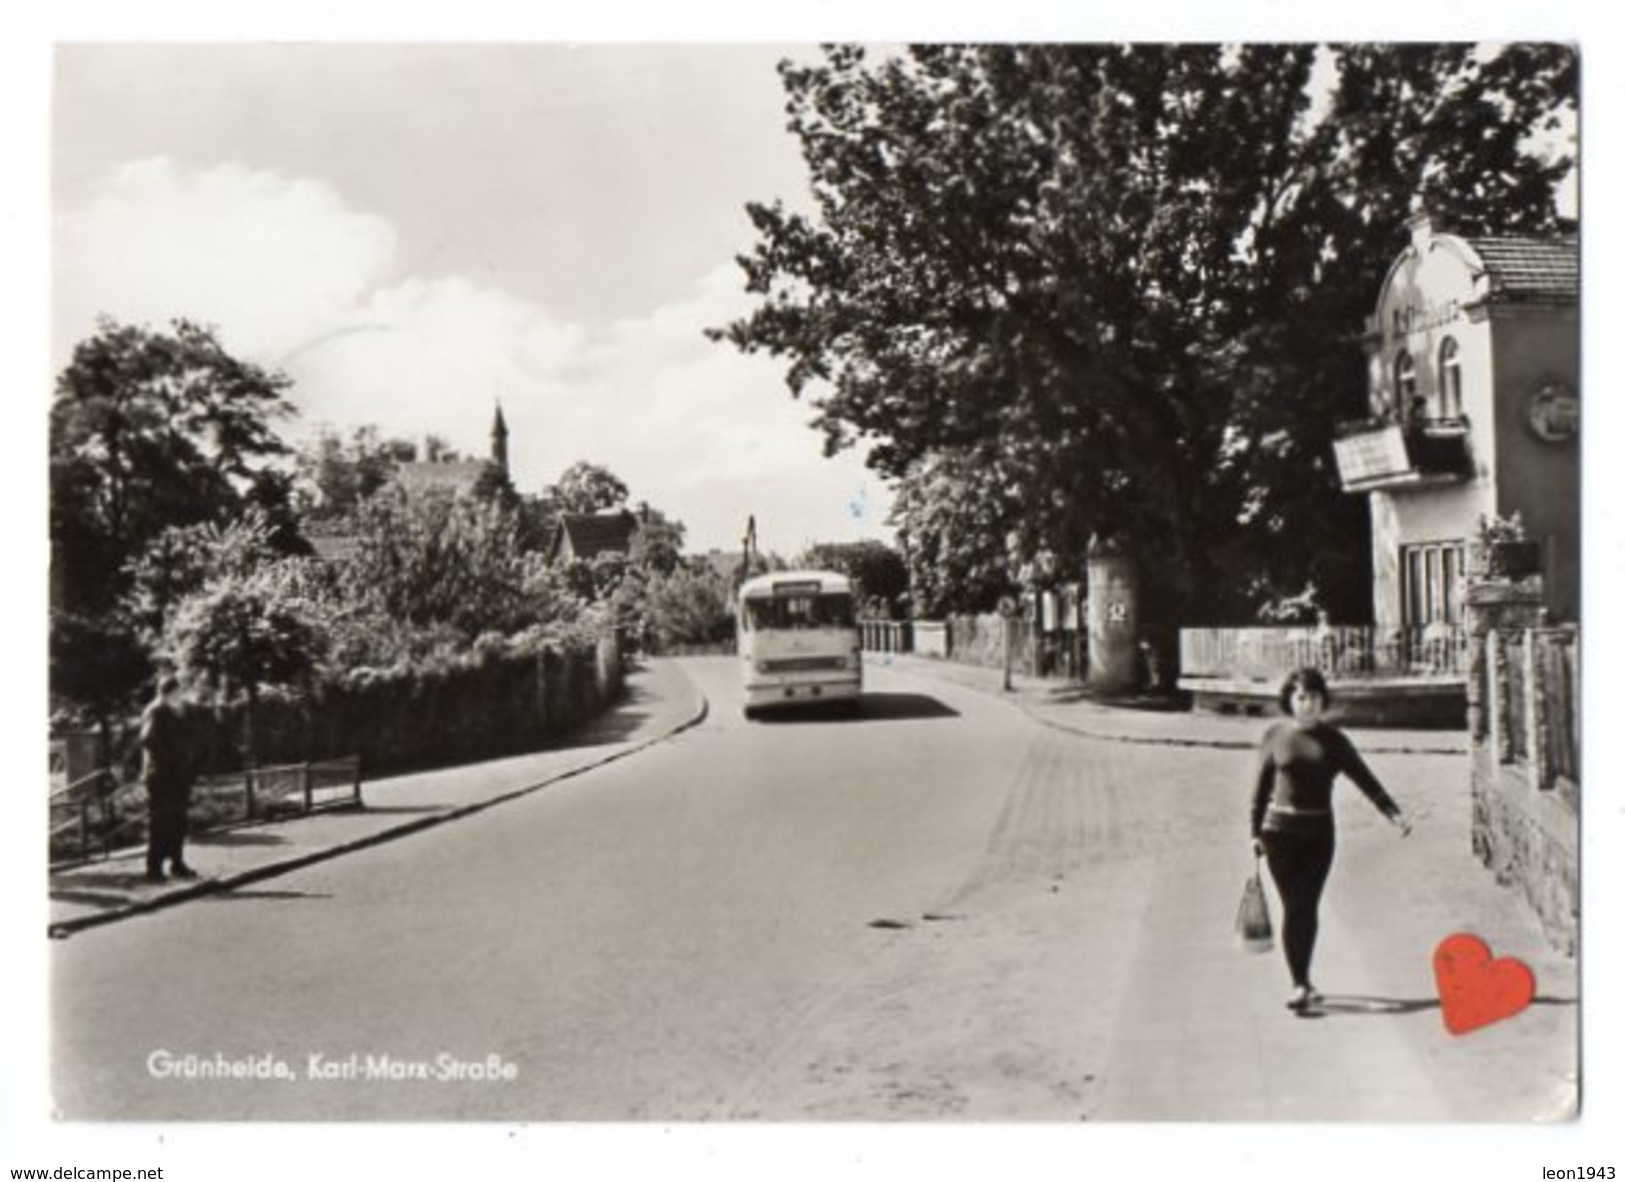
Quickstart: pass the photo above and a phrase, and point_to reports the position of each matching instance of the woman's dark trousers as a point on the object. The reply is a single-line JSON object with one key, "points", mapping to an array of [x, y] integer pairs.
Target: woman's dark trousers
{"points": [[1299, 863]]}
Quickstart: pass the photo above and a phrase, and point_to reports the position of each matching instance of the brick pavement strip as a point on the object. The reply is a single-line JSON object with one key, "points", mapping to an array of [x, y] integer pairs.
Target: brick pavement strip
{"points": [[1190, 1028], [660, 701]]}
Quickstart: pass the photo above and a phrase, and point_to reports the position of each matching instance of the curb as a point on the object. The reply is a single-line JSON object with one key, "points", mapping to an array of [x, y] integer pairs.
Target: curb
{"points": [[1367, 747], [1223, 744], [67, 927]]}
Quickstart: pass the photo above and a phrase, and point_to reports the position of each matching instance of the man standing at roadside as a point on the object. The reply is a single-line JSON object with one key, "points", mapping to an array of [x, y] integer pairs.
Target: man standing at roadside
{"points": [[166, 770]]}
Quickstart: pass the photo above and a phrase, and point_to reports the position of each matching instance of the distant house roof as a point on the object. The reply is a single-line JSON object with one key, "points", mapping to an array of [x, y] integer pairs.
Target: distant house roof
{"points": [[1537, 270], [587, 535], [452, 475]]}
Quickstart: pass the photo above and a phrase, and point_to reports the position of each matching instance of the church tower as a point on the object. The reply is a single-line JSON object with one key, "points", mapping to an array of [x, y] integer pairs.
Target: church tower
{"points": [[499, 441]]}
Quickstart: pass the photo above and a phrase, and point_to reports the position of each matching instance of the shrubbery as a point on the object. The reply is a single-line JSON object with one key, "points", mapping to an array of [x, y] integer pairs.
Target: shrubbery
{"points": [[501, 697]]}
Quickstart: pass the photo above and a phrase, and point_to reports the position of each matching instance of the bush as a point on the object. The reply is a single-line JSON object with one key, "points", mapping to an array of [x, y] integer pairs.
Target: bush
{"points": [[498, 698]]}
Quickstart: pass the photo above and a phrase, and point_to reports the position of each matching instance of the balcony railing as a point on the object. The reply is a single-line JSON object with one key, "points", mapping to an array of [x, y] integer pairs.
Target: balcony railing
{"points": [[1438, 651], [1378, 453]]}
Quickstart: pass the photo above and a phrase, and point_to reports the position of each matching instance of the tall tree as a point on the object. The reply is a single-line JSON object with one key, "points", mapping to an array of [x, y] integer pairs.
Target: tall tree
{"points": [[1121, 286], [149, 431], [439, 559], [180, 561], [689, 606], [336, 474], [588, 488], [957, 523], [878, 571], [242, 634]]}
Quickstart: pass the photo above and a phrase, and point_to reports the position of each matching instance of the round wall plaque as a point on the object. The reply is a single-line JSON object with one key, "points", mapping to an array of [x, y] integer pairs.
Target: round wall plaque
{"points": [[1554, 412]]}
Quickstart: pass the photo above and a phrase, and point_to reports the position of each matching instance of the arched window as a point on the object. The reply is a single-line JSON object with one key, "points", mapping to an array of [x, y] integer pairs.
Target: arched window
{"points": [[1405, 387], [1449, 379]]}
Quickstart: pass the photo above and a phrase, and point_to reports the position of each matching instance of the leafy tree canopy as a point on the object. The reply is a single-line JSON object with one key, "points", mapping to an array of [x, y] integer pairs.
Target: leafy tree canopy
{"points": [[182, 559], [436, 558], [1118, 288], [588, 488], [151, 430], [150, 433], [689, 606], [657, 545], [242, 633], [879, 571], [336, 474]]}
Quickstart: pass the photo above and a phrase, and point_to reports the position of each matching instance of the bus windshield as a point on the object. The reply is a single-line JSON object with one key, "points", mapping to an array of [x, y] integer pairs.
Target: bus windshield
{"points": [[796, 613]]}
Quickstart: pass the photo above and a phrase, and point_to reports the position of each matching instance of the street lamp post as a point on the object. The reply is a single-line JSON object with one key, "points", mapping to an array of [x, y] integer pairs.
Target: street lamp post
{"points": [[1007, 612]]}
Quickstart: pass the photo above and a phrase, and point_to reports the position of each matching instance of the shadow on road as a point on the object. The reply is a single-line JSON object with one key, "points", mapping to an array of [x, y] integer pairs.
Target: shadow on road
{"points": [[388, 809], [90, 897], [248, 894], [1346, 1005], [872, 707], [1333, 1006], [616, 725], [230, 837]]}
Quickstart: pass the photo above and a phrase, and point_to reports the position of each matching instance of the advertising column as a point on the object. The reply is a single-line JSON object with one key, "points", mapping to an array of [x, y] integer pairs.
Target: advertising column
{"points": [[1113, 617]]}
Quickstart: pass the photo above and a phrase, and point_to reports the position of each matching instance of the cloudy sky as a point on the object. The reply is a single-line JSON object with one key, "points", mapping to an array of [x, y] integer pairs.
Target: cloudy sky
{"points": [[413, 232]]}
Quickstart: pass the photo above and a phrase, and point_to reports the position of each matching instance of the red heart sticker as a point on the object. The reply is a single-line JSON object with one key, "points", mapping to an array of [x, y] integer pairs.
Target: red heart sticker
{"points": [[1474, 989]]}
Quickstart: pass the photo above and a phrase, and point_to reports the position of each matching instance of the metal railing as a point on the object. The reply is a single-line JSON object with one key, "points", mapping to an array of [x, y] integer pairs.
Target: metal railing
{"points": [[97, 814], [259, 793], [93, 814], [1266, 654], [886, 636]]}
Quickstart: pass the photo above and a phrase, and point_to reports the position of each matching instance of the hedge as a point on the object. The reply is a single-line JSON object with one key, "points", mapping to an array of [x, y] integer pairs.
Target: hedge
{"points": [[489, 705]]}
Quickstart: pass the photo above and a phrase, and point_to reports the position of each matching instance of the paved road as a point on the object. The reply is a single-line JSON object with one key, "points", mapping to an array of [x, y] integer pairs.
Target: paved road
{"points": [[633, 941], [940, 910]]}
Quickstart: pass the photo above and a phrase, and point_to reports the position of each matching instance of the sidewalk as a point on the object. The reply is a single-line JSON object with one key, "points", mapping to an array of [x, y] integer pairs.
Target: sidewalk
{"points": [[1069, 708], [1174, 1022], [660, 701]]}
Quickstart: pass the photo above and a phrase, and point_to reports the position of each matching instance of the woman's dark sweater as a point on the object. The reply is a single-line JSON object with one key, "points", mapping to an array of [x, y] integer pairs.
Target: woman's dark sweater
{"points": [[1296, 767]]}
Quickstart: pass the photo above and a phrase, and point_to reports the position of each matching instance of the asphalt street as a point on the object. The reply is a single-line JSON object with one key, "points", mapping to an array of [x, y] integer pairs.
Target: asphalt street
{"points": [[633, 941], [940, 909]]}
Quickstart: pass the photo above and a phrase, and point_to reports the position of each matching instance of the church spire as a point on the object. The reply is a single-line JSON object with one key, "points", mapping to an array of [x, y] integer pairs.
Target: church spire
{"points": [[499, 440]]}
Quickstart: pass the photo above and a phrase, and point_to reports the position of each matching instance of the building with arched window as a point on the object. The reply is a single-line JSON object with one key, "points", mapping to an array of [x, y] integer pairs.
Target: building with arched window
{"points": [[1474, 368]]}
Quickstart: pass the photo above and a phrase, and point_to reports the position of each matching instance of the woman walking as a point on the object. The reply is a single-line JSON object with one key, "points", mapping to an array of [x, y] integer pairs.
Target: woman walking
{"points": [[1298, 759]]}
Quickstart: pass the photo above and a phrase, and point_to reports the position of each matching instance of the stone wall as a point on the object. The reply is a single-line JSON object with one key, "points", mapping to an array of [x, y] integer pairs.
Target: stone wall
{"points": [[1527, 838], [1521, 709], [980, 640]]}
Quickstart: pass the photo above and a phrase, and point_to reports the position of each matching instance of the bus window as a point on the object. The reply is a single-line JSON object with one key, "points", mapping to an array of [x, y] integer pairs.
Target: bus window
{"points": [[794, 613]]}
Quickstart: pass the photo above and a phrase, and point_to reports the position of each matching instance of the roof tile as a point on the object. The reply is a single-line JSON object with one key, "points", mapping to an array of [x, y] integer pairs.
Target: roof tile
{"points": [[1532, 268]]}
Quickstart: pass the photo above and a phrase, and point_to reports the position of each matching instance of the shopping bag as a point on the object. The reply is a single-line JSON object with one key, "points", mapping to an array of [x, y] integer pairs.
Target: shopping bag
{"points": [[1253, 929]]}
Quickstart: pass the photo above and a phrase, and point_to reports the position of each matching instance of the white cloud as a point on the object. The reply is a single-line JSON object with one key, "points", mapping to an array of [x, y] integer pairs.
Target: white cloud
{"points": [[268, 259], [716, 432], [296, 280], [429, 357]]}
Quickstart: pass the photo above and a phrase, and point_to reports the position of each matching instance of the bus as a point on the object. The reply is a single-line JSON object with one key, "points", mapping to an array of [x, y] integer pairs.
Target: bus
{"points": [[799, 640]]}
